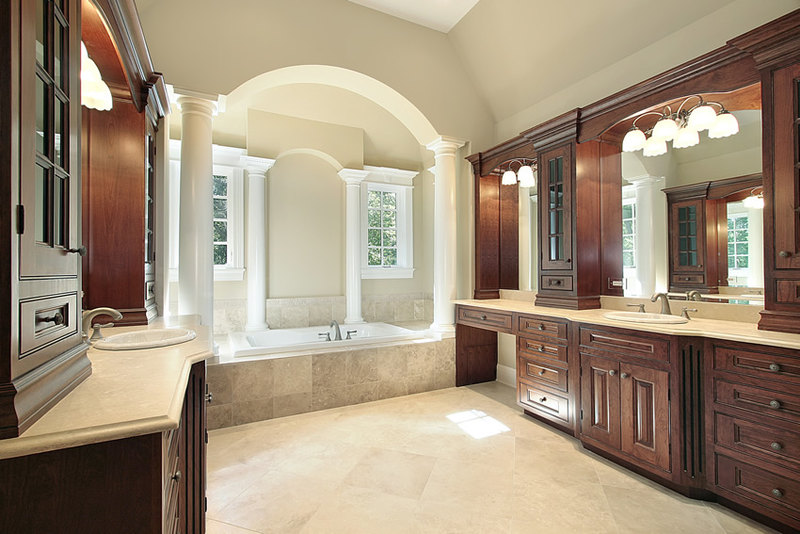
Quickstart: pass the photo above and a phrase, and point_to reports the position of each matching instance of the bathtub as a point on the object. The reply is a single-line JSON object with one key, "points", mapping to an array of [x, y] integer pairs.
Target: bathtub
{"points": [[277, 343]]}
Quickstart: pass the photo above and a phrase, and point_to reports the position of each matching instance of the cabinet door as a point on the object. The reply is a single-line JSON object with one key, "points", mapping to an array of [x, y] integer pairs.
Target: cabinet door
{"points": [[644, 413], [556, 208], [600, 399], [687, 236], [49, 142], [786, 223]]}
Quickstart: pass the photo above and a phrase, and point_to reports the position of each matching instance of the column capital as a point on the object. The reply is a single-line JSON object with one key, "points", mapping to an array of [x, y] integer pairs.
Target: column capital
{"points": [[200, 106], [444, 145], [353, 176], [644, 179], [255, 165]]}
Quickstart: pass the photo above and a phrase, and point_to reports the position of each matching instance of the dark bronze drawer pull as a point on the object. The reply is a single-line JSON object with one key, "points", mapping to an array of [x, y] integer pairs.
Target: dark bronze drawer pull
{"points": [[774, 367], [555, 282], [777, 493], [541, 327], [483, 317], [177, 476], [57, 319], [612, 372], [774, 404], [784, 253], [541, 372], [543, 399], [776, 446], [541, 348], [623, 375]]}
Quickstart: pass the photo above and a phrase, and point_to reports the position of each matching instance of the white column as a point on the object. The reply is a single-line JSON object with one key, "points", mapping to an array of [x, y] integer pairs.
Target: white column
{"points": [[650, 233], [196, 265], [444, 233], [755, 225], [352, 179], [524, 238], [257, 169]]}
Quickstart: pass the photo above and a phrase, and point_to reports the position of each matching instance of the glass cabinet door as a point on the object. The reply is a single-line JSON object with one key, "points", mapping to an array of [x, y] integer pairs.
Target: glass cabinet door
{"points": [[556, 208], [688, 235], [49, 122]]}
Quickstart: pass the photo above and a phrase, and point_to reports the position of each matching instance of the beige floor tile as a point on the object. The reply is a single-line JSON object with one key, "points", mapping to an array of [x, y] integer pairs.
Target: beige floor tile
{"points": [[539, 461], [439, 518], [478, 487], [363, 511], [554, 507], [734, 523], [393, 472]]}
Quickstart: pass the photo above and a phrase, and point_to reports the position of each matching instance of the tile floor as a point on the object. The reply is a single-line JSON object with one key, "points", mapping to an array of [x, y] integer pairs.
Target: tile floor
{"points": [[400, 465]]}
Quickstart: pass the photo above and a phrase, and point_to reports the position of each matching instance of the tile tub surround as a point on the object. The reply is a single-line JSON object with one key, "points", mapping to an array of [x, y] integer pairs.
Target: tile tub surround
{"points": [[230, 315], [254, 390], [399, 465]]}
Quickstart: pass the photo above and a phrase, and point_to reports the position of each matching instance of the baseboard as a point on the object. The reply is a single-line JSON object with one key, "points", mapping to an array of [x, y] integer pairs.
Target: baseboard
{"points": [[507, 375]]}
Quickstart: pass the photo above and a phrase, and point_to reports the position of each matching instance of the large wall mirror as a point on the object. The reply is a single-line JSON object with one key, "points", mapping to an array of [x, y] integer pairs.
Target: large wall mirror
{"points": [[691, 219]]}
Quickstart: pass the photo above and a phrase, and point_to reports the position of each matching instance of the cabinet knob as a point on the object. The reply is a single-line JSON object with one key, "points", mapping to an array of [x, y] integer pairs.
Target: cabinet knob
{"points": [[784, 253], [57, 319], [776, 446], [541, 348], [624, 375], [177, 476], [541, 327], [542, 399], [612, 372], [541, 372], [777, 493], [774, 404], [774, 367], [483, 317], [209, 397], [81, 251]]}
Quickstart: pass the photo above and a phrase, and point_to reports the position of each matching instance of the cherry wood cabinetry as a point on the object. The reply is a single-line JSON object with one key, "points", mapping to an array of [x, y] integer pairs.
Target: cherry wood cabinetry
{"points": [[149, 483]]}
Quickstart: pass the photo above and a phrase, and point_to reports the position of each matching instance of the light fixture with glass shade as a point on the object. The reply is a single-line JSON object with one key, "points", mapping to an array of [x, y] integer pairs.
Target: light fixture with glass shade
{"points": [[680, 127], [755, 200], [525, 174], [95, 94]]}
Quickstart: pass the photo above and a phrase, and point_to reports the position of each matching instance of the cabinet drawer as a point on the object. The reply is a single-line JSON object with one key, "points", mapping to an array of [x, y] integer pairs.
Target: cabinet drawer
{"points": [[688, 279], [543, 348], [485, 319], [757, 363], [759, 400], [43, 321], [542, 371], [543, 401], [637, 344], [531, 324], [558, 283], [777, 491], [768, 442]]}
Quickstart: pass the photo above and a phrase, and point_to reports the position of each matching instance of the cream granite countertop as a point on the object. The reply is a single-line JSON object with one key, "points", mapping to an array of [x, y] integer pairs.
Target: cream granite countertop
{"points": [[710, 328], [129, 393]]}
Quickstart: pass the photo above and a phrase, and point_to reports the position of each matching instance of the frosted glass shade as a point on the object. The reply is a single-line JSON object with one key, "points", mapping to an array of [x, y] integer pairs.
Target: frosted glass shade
{"points": [[686, 137], [655, 147], [526, 176], [509, 178], [665, 129], [754, 202], [633, 140], [724, 126], [702, 117], [95, 94]]}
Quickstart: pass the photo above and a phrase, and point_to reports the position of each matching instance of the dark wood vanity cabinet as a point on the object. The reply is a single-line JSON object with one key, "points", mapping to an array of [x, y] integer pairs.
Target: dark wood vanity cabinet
{"points": [[149, 483]]}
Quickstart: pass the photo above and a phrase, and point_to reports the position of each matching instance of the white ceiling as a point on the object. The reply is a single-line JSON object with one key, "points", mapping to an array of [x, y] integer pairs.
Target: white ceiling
{"points": [[439, 15]]}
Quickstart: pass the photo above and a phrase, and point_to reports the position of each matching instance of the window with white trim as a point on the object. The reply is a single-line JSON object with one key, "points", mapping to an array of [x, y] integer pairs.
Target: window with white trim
{"points": [[388, 234], [629, 233]]}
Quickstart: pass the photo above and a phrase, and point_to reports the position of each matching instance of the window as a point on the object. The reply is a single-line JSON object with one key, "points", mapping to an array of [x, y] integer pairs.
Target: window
{"points": [[221, 245], [738, 249], [629, 233], [387, 224]]}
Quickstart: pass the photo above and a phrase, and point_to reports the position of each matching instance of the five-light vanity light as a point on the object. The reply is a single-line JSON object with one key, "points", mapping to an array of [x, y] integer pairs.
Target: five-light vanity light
{"points": [[525, 174], [681, 127]]}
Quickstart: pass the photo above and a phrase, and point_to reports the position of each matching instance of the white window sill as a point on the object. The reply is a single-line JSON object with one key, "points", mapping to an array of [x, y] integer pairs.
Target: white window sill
{"points": [[228, 274], [375, 273]]}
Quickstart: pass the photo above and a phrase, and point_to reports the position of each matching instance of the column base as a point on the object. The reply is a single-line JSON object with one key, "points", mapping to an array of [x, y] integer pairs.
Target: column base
{"points": [[446, 330], [357, 320], [256, 327]]}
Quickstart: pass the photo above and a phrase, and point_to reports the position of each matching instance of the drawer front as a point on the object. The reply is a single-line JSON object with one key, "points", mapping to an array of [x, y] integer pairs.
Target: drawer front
{"points": [[779, 492], [787, 291], [768, 442], [558, 283], [44, 321], [530, 324], [542, 371], [757, 363], [542, 348], [638, 344], [485, 319], [688, 279], [758, 400], [543, 401]]}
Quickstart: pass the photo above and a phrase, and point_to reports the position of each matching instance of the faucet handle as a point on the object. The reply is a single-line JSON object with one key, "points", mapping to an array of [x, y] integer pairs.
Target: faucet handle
{"points": [[351, 332], [639, 306], [685, 312], [324, 335], [96, 333]]}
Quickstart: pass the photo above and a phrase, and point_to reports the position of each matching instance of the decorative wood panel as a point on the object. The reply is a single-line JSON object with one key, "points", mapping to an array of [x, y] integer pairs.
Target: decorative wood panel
{"points": [[600, 406], [644, 411]]}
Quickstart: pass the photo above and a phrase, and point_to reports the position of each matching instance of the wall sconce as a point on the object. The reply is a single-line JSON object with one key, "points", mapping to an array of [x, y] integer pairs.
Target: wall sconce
{"points": [[526, 173], [681, 127], [95, 94], [755, 200]]}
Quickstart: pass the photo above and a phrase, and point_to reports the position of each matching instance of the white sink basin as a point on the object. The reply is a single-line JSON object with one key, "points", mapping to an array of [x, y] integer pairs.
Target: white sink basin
{"points": [[650, 318], [146, 339]]}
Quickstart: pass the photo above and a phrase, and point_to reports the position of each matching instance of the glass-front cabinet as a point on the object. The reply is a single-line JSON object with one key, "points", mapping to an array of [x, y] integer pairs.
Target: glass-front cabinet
{"points": [[556, 208]]}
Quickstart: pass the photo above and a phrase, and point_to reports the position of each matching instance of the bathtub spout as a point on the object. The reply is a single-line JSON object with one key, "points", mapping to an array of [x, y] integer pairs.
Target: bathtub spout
{"points": [[338, 331]]}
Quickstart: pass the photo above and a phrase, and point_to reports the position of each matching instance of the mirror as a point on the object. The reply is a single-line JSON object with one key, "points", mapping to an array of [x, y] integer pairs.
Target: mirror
{"points": [[663, 236]]}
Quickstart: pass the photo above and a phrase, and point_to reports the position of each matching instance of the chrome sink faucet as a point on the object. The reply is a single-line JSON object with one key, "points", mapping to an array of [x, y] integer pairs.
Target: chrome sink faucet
{"points": [[664, 303], [337, 332], [88, 315], [694, 295]]}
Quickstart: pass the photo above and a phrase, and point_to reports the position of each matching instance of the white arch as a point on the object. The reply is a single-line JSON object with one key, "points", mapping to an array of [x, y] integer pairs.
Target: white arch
{"points": [[313, 152], [361, 84]]}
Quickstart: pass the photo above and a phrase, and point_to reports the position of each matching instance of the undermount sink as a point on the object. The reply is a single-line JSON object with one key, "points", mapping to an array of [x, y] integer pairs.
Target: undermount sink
{"points": [[146, 339], [650, 318]]}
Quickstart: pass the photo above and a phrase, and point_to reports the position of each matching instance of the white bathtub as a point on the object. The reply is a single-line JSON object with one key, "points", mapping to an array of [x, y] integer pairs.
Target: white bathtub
{"points": [[276, 343]]}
